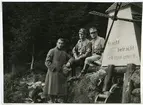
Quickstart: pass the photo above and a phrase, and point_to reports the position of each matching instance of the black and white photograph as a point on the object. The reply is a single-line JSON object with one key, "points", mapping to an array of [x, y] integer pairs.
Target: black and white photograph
{"points": [[71, 52]]}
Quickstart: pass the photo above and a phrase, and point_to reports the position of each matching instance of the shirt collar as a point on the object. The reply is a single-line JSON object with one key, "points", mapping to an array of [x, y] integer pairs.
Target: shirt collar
{"points": [[59, 49], [96, 38], [82, 40]]}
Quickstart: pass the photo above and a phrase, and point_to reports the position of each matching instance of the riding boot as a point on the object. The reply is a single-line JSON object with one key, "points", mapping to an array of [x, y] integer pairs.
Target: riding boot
{"points": [[73, 72], [85, 67]]}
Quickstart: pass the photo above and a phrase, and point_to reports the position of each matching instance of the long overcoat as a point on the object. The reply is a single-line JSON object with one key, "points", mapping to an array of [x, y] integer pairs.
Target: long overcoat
{"points": [[55, 82]]}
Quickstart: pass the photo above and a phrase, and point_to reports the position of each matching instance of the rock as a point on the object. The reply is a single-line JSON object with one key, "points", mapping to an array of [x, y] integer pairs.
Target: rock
{"points": [[136, 79], [136, 92], [83, 90], [95, 76], [135, 99]]}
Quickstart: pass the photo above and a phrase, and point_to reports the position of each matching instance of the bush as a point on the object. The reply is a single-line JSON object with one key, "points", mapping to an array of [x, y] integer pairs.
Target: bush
{"points": [[16, 86], [14, 92]]}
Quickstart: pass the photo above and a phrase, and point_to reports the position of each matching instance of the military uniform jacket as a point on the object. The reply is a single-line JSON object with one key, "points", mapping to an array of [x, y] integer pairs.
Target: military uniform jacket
{"points": [[82, 48], [97, 45]]}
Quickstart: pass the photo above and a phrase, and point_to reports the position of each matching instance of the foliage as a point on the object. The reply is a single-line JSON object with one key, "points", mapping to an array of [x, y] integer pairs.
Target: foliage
{"points": [[82, 91], [18, 89], [41, 24], [13, 91]]}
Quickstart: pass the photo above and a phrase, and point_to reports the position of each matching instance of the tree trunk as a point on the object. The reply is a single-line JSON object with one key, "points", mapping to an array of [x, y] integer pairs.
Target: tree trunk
{"points": [[14, 69], [32, 61]]}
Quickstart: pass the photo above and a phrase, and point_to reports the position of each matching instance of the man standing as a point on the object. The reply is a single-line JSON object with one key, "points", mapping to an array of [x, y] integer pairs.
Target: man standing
{"points": [[97, 44], [55, 82], [80, 51]]}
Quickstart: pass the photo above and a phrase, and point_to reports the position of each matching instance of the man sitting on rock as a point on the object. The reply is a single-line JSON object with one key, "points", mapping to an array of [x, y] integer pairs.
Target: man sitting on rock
{"points": [[80, 51], [97, 44]]}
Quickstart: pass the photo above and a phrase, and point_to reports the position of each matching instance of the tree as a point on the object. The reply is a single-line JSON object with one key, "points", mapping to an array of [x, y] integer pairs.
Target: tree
{"points": [[37, 26]]}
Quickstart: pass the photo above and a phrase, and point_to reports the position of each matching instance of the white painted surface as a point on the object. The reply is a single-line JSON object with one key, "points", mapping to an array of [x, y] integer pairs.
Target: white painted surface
{"points": [[121, 47]]}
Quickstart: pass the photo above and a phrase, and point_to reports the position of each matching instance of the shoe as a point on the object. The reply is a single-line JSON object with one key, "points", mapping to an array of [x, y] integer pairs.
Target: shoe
{"points": [[60, 100], [50, 101]]}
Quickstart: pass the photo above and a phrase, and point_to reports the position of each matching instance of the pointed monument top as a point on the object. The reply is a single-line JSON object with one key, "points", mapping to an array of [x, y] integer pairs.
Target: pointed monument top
{"points": [[123, 5]]}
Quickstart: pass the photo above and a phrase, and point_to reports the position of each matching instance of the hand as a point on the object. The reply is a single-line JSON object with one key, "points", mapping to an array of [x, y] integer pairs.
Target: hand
{"points": [[98, 51], [82, 72], [75, 57], [78, 58], [67, 65]]}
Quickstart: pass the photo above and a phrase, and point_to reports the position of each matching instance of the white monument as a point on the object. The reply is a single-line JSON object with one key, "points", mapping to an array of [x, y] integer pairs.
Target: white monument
{"points": [[124, 43]]}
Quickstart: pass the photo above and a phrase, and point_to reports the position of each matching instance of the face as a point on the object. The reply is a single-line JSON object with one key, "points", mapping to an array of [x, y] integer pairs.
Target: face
{"points": [[93, 33], [81, 35], [60, 44]]}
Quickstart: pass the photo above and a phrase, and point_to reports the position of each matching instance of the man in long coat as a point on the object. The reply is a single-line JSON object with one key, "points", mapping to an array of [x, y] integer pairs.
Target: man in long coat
{"points": [[55, 82]]}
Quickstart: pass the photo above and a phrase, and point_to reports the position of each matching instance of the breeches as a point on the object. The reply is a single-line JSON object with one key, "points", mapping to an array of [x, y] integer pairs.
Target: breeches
{"points": [[91, 59], [75, 63]]}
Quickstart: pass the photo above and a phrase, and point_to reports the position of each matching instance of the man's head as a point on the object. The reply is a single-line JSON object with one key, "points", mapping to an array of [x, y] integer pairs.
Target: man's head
{"points": [[93, 32], [82, 33], [60, 43]]}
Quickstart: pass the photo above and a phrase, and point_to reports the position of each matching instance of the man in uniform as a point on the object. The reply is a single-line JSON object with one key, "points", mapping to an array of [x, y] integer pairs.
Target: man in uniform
{"points": [[80, 51], [55, 82], [97, 44]]}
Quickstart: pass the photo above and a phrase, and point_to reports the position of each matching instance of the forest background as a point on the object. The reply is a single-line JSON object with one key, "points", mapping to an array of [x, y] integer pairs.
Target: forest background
{"points": [[31, 29]]}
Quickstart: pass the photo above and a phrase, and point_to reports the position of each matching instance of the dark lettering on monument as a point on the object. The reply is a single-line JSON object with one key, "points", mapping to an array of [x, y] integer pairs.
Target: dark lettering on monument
{"points": [[116, 42], [121, 49], [124, 57], [127, 48]]}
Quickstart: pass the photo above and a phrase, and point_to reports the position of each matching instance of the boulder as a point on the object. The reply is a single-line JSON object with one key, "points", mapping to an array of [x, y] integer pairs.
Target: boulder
{"points": [[83, 90], [135, 99], [136, 92], [136, 79]]}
